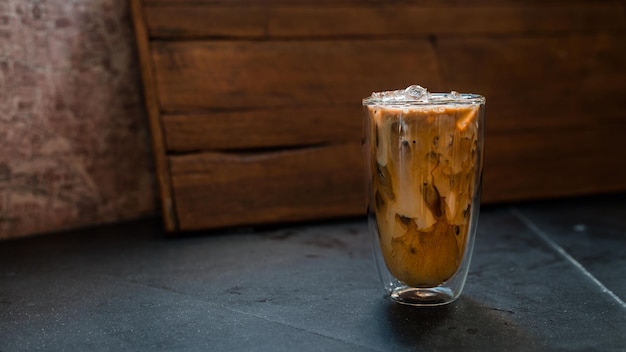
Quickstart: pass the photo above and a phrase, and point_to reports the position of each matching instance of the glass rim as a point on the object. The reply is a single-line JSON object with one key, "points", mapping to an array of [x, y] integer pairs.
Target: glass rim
{"points": [[435, 99]]}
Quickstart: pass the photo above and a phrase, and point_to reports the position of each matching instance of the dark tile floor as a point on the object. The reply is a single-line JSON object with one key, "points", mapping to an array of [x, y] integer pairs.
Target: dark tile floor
{"points": [[547, 276]]}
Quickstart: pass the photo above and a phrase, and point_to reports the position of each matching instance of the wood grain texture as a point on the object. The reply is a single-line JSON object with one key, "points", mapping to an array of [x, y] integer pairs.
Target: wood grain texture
{"points": [[540, 82], [227, 130], [219, 189], [330, 3], [554, 111], [277, 74], [554, 162], [380, 19], [259, 101], [152, 108]]}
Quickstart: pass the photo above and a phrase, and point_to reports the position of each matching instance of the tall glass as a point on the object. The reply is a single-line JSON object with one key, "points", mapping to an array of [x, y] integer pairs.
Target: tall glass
{"points": [[423, 155]]}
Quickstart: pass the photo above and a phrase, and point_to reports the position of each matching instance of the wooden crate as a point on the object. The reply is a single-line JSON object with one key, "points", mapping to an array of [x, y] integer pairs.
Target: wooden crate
{"points": [[255, 107]]}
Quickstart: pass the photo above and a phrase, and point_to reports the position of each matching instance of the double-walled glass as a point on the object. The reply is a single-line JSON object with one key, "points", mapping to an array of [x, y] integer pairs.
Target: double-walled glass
{"points": [[424, 168]]}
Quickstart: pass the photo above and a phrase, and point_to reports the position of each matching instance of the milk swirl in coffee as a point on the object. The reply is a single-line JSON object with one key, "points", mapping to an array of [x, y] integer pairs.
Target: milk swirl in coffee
{"points": [[423, 160]]}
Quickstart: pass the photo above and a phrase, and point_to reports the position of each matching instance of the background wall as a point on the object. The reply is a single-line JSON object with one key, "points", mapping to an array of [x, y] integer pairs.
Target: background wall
{"points": [[74, 140]]}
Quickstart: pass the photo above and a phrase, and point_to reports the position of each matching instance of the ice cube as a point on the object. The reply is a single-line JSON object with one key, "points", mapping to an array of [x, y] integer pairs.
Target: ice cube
{"points": [[416, 92], [411, 93]]}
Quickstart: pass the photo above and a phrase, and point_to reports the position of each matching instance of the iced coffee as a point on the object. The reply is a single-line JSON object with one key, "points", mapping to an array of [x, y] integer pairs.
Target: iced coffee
{"points": [[424, 154]]}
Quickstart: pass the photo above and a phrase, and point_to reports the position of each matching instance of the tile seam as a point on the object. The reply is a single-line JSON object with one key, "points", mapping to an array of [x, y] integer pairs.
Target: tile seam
{"points": [[556, 247], [252, 315], [317, 333]]}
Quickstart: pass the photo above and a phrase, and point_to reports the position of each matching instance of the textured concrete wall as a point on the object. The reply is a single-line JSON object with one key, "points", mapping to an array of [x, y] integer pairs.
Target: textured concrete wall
{"points": [[74, 140]]}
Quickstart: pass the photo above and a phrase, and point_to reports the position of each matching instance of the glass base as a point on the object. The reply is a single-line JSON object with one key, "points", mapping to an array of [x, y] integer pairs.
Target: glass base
{"points": [[431, 296]]}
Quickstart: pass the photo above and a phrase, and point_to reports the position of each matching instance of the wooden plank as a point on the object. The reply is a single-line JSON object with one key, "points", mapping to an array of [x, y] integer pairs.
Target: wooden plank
{"points": [[381, 19], [554, 111], [274, 74], [552, 72], [262, 128], [444, 3], [539, 82], [152, 108], [217, 189], [254, 188], [547, 163]]}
